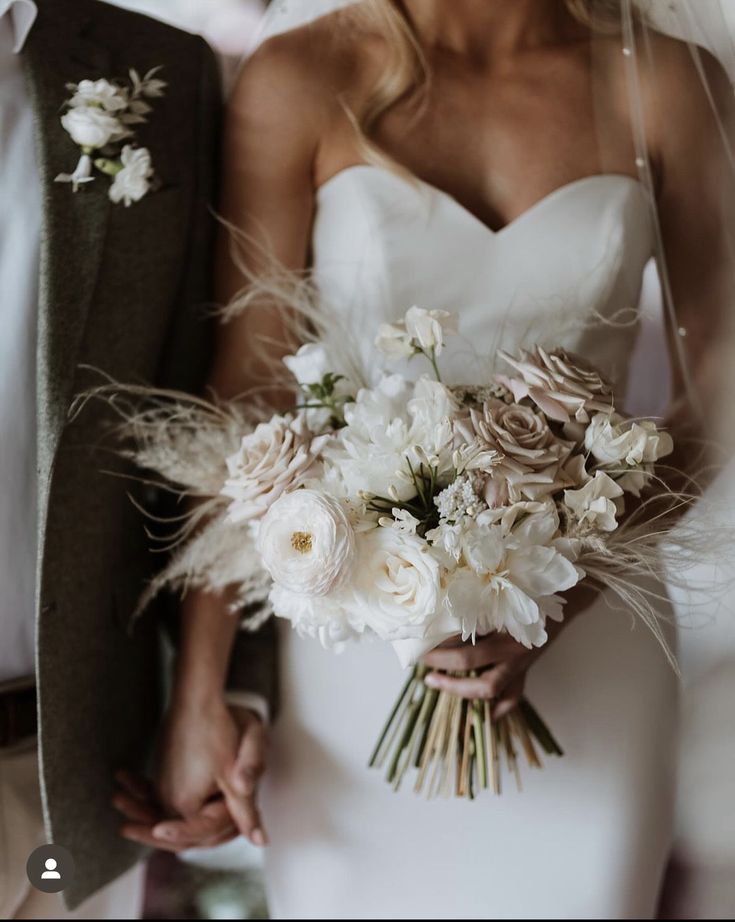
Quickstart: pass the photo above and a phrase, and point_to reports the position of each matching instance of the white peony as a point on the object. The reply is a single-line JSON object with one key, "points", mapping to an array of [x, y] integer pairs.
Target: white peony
{"points": [[420, 330], [100, 94], [321, 618], [388, 425], [92, 128], [593, 506], [277, 456], [133, 181], [396, 587], [509, 571], [306, 542]]}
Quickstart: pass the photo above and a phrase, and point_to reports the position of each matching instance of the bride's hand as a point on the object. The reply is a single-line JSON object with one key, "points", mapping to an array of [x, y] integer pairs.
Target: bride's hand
{"points": [[500, 661]]}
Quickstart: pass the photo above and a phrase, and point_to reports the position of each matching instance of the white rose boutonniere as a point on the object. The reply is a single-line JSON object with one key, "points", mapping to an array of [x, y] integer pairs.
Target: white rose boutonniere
{"points": [[99, 116]]}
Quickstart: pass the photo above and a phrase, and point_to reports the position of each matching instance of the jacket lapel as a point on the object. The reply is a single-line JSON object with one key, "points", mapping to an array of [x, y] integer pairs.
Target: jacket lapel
{"points": [[74, 225]]}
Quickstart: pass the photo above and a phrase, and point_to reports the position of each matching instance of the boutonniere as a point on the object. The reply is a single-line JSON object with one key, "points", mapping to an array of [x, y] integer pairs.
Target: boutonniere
{"points": [[101, 118]]}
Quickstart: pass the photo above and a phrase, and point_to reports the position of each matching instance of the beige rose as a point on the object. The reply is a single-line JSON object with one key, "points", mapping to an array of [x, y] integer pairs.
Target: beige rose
{"points": [[532, 458], [565, 388], [277, 456]]}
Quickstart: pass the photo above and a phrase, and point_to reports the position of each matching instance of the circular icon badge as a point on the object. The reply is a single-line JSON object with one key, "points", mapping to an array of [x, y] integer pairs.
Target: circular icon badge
{"points": [[50, 868]]}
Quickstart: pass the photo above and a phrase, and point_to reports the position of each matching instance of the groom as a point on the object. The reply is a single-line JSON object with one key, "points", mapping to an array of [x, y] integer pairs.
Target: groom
{"points": [[87, 281]]}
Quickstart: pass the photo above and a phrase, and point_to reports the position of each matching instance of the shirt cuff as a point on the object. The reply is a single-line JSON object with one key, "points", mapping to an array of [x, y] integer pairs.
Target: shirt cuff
{"points": [[250, 701]]}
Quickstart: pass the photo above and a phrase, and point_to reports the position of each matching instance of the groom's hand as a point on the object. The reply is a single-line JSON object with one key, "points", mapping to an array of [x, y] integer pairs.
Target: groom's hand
{"points": [[211, 759]]}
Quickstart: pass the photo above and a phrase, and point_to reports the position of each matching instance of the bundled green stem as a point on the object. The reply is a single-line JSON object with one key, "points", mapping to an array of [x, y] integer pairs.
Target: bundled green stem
{"points": [[455, 745]]}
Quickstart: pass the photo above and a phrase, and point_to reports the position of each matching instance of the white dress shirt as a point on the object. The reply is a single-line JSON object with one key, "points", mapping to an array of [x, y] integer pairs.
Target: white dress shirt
{"points": [[20, 235]]}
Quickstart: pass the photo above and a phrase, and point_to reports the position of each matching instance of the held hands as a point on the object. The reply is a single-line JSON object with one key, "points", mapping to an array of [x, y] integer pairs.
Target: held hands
{"points": [[211, 759], [500, 661]]}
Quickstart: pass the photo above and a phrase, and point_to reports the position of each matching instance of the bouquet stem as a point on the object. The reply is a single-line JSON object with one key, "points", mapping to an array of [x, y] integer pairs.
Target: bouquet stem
{"points": [[454, 744]]}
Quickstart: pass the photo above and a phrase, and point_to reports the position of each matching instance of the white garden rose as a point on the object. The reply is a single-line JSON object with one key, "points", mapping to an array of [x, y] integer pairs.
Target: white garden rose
{"points": [[306, 542], [593, 505], [396, 587], [277, 456], [133, 181], [91, 127], [99, 93]]}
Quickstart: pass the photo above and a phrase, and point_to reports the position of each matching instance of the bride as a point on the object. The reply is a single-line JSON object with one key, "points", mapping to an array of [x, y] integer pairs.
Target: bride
{"points": [[481, 156]]}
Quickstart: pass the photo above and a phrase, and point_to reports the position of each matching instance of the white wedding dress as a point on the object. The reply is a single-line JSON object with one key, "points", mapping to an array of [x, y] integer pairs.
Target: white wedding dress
{"points": [[589, 835]]}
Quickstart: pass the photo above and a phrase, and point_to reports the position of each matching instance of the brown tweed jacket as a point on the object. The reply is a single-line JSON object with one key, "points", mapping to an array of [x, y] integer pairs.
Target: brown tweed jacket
{"points": [[123, 290]]}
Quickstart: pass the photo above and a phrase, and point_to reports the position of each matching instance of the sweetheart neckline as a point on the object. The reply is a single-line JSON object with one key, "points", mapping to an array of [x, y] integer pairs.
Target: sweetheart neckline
{"points": [[445, 196]]}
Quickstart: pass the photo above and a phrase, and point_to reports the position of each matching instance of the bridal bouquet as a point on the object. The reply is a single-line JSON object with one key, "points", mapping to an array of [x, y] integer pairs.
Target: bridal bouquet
{"points": [[411, 512]]}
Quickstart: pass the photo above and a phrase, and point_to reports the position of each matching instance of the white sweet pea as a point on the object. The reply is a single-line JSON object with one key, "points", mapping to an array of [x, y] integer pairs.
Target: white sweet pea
{"points": [[99, 93], [306, 543], [393, 340], [611, 440], [593, 505], [396, 585], [92, 128], [133, 181], [420, 330], [310, 364], [82, 173], [428, 328]]}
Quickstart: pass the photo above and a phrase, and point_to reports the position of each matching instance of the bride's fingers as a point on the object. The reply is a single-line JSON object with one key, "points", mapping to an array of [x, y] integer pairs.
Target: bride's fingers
{"points": [[491, 649], [245, 814], [489, 684], [510, 697], [250, 761]]}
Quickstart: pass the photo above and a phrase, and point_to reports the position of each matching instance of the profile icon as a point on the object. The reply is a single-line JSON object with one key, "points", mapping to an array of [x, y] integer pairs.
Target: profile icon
{"points": [[51, 873], [50, 868]]}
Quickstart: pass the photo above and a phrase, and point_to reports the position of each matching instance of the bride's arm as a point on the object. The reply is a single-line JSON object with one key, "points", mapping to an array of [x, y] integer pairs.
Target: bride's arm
{"points": [[271, 138]]}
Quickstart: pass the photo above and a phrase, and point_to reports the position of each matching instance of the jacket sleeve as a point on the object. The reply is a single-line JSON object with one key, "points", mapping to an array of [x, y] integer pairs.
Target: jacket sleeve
{"points": [[188, 353]]}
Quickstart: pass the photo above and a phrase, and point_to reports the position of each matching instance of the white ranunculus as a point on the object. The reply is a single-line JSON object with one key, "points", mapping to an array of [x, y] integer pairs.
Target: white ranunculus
{"points": [[593, 506], [99, 93], [310, 364], [306, 542], [321, 618], [133, 181], [277, 456], [397, 584], [614, 440], [91, 127]]}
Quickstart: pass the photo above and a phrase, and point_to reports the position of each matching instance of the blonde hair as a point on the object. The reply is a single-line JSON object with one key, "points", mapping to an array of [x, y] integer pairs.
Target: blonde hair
{"points": [[406, 71]]}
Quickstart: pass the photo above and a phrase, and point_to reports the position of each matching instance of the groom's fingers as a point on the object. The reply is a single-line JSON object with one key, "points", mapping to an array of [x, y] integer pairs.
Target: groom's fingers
{"points": [[135, 810], [212, 822]]}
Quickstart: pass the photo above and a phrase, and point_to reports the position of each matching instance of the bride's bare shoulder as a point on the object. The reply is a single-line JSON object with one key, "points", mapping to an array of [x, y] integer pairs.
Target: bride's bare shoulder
{"points": [[307, 71]]}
